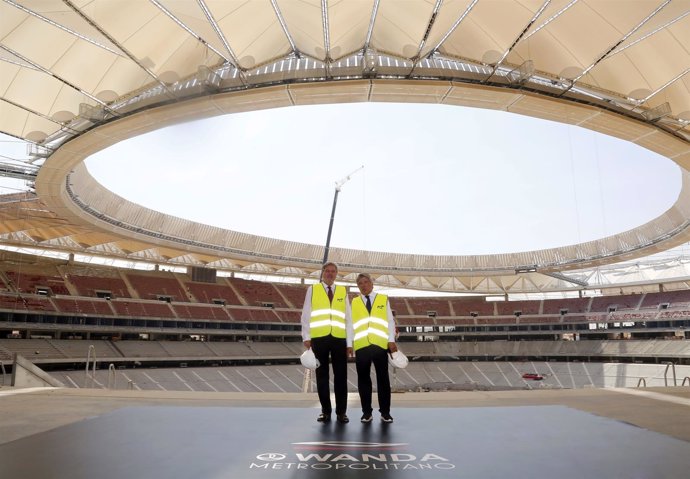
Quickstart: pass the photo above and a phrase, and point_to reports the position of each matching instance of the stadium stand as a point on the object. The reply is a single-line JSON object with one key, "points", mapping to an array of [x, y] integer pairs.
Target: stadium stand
{"points": [[212, 293], [676, 299], [30, 280], [128, 308], [198, 311], [98, 307], [430, 307], [94, 282], [293, 293], [606, 303], [569, 305], [288, 316], [14, 302], [256, 293], [248, 315], [506, 308], [260, 322], [44, 351], [472, 307], [400, 307], [160, 285]]}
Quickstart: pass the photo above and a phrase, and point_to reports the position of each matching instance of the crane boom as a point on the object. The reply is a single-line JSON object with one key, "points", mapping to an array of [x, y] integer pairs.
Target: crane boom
{"points": [[338, 186], [340, 183]]}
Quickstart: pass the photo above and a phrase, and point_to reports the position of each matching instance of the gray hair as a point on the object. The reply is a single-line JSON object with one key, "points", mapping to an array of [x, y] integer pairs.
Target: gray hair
{"points": [[364, 275]]}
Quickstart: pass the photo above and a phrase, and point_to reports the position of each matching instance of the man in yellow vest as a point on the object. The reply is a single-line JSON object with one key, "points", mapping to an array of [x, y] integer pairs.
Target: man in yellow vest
{"points": [[327, 330], [374, 338]]}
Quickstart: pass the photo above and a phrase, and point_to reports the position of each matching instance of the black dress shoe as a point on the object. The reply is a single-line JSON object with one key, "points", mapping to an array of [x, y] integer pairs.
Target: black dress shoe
{"points": [[323, 417], [342, 418]]}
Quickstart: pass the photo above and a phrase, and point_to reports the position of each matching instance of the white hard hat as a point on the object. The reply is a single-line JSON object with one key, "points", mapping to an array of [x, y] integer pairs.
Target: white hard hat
{"points": [[308, 359], [398, 359]]}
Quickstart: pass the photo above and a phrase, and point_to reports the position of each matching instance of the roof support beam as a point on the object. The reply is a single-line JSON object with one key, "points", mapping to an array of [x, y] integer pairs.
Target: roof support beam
{"points": [[568, 279], [665, 85], [519, 38], [58, 78], [452, 29], [429, 26], [129, 55], [370, 30], [219, 32], [326, 37], [656, 30], [425, 37], [28, 172], [550, 19], [283, 25], [34, 112], [326, 32], [61, 27], [604, 55], [190, 31]]}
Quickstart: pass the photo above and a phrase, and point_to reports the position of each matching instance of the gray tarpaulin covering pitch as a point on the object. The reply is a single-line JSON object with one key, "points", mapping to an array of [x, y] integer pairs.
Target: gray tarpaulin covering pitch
{"points": [[217, 442]]}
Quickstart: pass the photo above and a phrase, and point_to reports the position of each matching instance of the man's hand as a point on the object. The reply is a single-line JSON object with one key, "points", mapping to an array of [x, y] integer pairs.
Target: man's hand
{"points": [[350, 352], [392, 347], [307, 344]]}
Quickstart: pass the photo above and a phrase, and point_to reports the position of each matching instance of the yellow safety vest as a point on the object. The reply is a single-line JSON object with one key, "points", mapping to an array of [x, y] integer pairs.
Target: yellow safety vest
{"points": [[370, 328], [327, 318]]}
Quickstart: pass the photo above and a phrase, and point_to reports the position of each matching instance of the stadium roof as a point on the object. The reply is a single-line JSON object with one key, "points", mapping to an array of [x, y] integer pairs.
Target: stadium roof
{"points": [[78, 76]]}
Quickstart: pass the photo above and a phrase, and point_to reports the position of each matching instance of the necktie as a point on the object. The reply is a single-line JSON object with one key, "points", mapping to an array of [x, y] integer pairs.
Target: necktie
{"points": [[368, 303], [330, 294]]}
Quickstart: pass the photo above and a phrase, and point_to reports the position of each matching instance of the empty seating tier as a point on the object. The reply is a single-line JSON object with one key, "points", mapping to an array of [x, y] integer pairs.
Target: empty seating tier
{"points": [[505, 308], [256, 293], [671, 298], [569, 305], [98, 307], [193, 311], [33, 283], [157, 286], [469, 307], [96, 286], [212, 293], [430, 307], [607, 303]]}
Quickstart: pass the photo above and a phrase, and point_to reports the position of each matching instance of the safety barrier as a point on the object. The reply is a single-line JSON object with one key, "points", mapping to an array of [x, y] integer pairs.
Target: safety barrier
{"points": [[307, 385], [112, 379], [90, 378], [673, 368]]}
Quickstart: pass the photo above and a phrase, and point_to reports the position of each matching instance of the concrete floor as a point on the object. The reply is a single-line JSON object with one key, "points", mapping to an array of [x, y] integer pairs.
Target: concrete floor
{"points": [[537, 431], [31, 411]]}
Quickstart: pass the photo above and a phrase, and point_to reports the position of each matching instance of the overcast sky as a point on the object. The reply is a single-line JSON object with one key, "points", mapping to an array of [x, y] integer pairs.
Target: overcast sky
{"points": [[436, 179]]}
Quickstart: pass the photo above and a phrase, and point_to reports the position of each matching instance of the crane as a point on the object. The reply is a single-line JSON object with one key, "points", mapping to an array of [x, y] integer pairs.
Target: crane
{"points": [[338, 187]]}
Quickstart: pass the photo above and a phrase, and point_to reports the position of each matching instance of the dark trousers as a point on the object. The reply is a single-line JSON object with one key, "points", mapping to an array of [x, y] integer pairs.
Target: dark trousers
{"points": [[331, 350], [364, 358]]}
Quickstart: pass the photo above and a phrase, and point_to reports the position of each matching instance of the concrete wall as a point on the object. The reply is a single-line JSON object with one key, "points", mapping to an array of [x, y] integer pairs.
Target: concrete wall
{"points": [[25, 374]]}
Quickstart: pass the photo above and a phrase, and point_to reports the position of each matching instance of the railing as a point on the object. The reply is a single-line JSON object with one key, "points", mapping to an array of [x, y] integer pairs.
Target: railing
{"points": [[643, 382], [112, 378], [673, 368], [307, 385], [90, 378], [2, 367], [686, 378]]}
